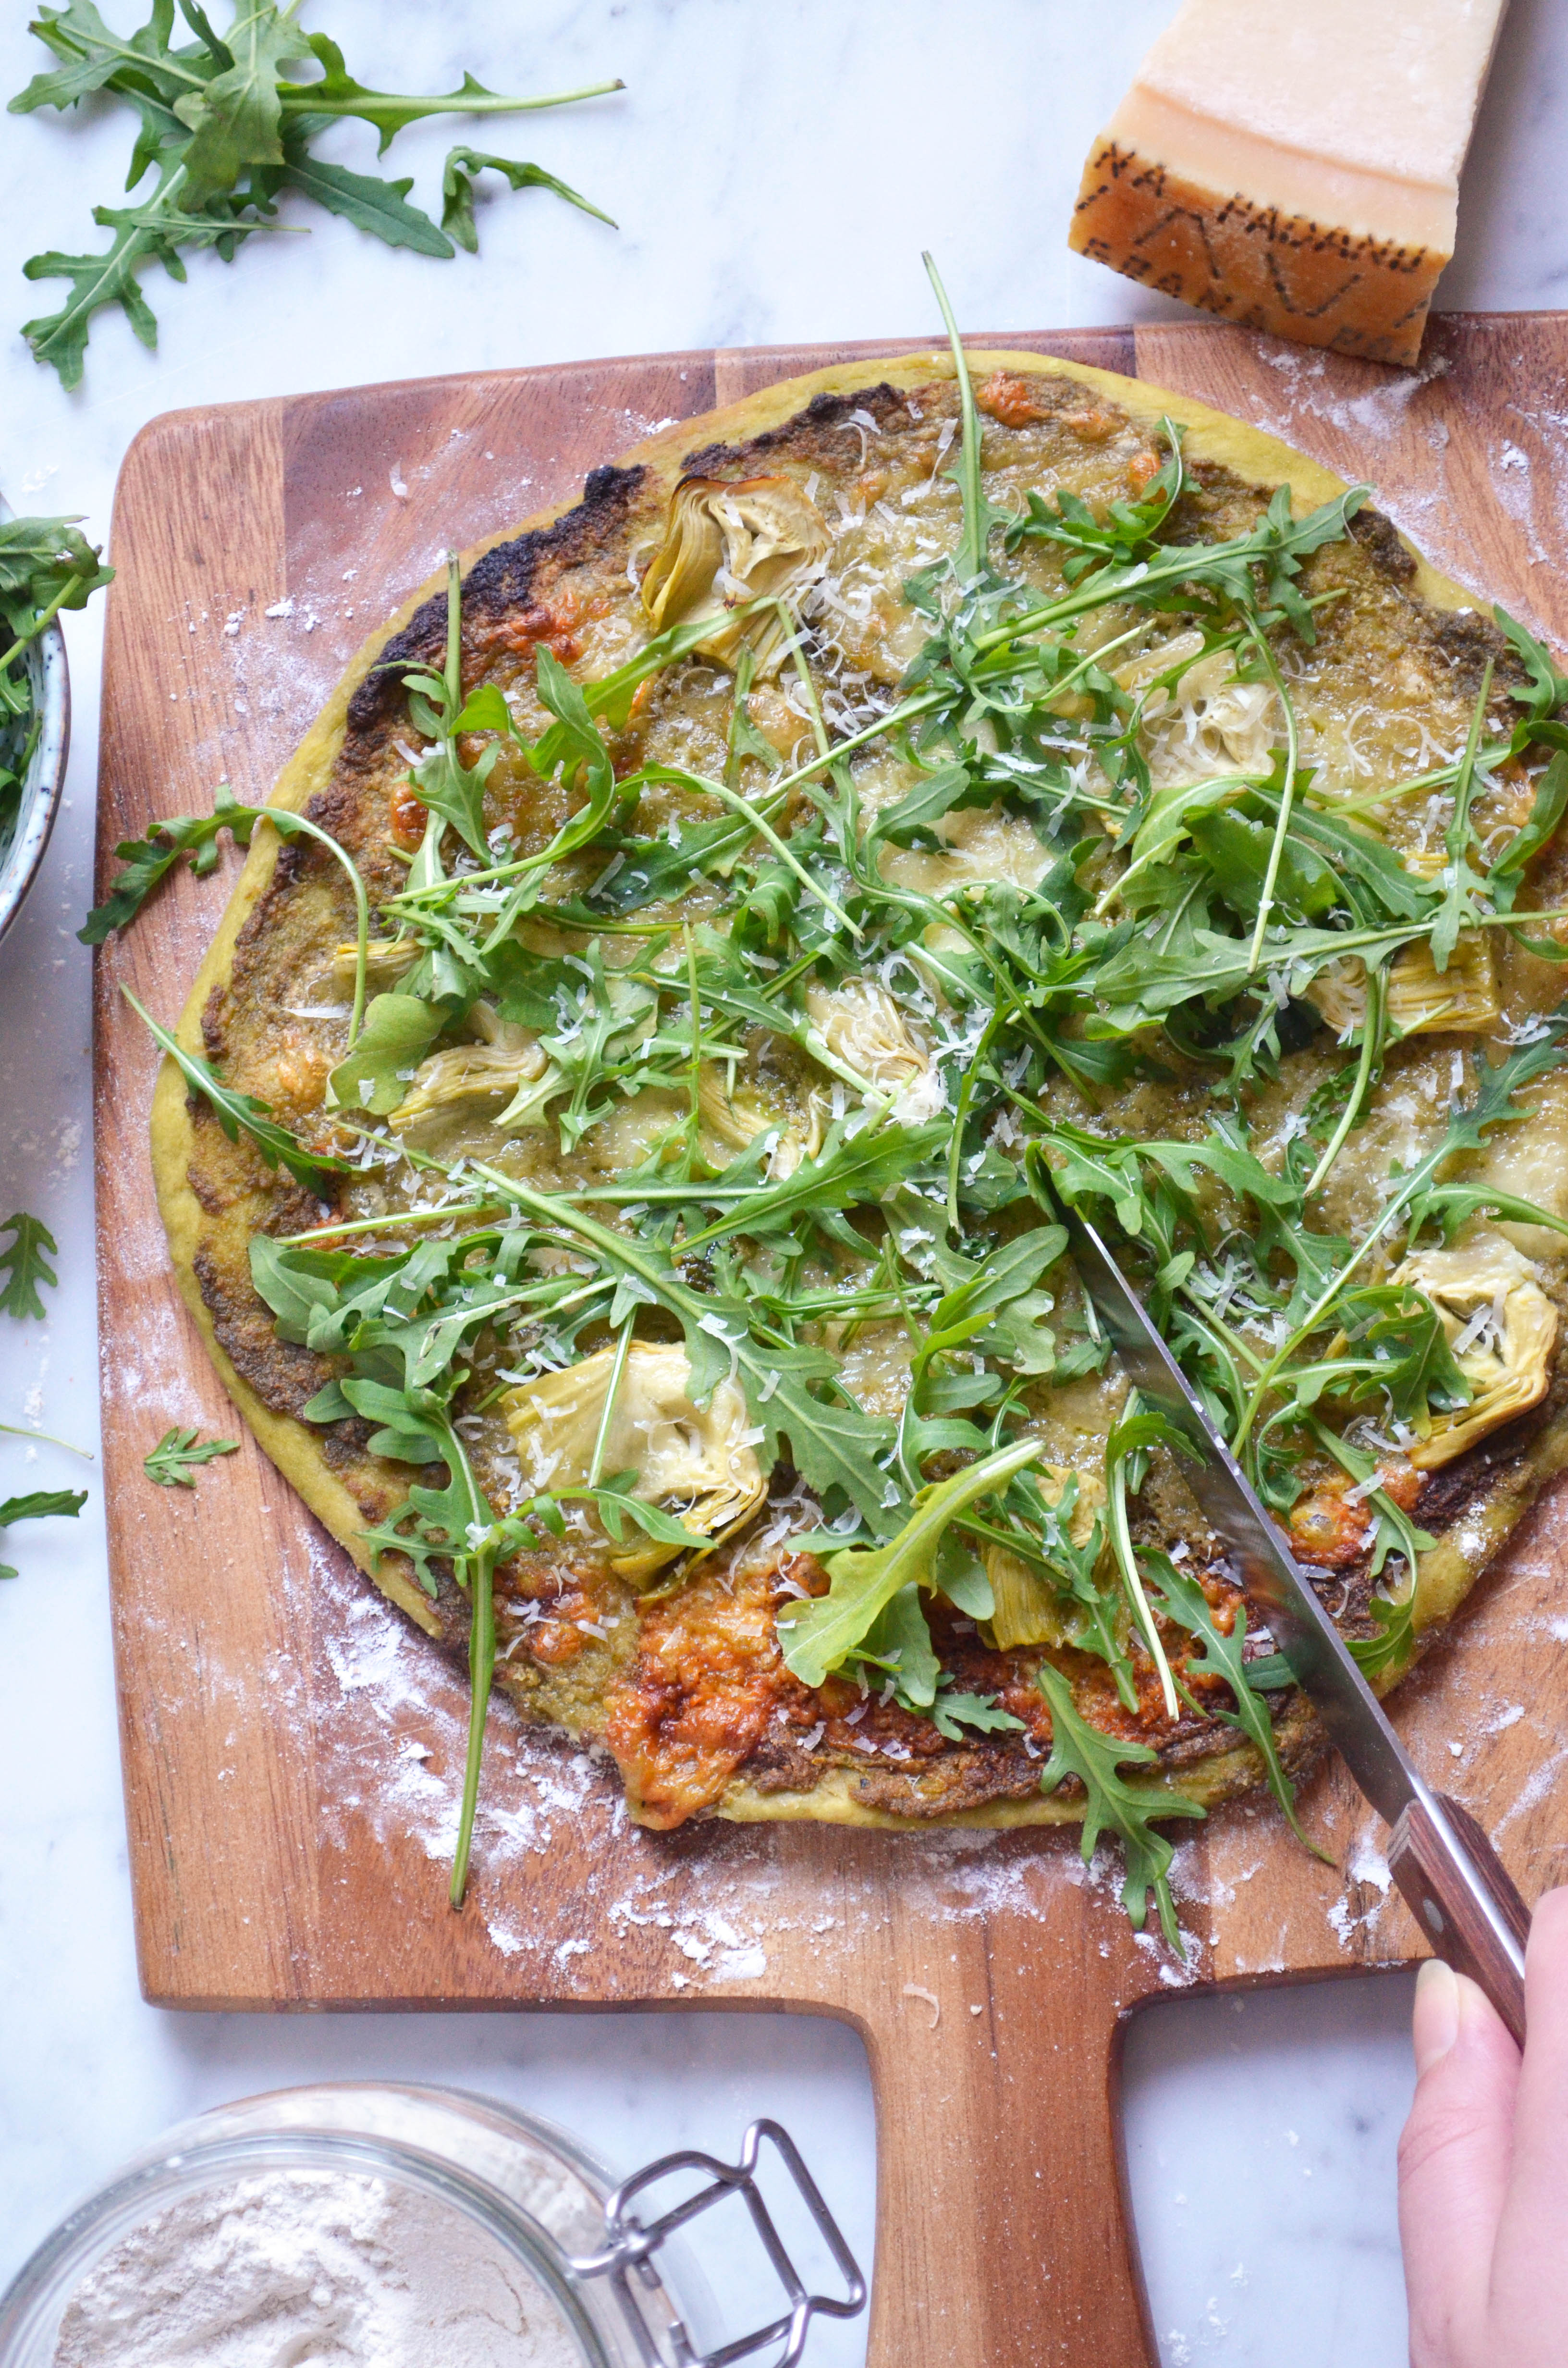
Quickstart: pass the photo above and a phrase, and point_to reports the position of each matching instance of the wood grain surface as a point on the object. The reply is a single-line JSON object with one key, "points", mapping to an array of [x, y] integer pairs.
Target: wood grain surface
{"points": [[293, 1750]]}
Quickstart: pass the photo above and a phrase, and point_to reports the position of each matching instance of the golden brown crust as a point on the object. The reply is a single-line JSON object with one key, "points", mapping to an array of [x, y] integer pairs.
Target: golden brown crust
{"points": [[520, 589]]}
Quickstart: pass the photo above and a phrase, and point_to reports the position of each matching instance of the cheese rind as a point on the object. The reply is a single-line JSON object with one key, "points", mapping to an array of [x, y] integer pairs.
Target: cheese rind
{"points": [[1297, 176]]}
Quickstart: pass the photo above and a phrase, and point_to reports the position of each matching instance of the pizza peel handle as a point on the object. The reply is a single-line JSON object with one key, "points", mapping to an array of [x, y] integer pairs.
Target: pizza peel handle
{"points": [[1456, 1887]]}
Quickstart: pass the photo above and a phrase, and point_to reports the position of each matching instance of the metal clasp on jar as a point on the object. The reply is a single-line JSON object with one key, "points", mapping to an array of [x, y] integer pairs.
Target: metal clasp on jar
{"points": [[631, 2245]]}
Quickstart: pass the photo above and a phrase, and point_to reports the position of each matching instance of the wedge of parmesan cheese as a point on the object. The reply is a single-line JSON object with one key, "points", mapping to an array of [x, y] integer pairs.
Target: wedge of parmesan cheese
{"points": [[1295, 168]]}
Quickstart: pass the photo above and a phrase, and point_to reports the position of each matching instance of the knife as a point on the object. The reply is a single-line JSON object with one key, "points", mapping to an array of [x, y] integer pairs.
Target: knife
{"points": [[1453, 1881]]}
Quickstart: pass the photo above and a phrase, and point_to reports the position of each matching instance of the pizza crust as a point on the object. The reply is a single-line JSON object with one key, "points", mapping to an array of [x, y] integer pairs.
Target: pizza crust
{"points": [[1447, 1572]]}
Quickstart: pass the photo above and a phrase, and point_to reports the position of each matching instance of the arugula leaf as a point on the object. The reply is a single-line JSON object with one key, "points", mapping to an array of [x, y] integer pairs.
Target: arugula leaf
{"points": [[152, 231], [993, 1301], [463, 166], [1390, 1649], [907, 822], [616, 1503], [92, 53], [147, 860], [1548, 689], [399, 1030], [953, 1710], [1546, 812], [235, 119], [862, 1169], [898, 1642], [1184, 1599], [43, 1504], [405, 1436], [173, 1463], [45, 566], [1407, 1353], [1113, 1805], [819, 1636], [25, 1264], [1121, 535], [239, 1113], [369, 203]]}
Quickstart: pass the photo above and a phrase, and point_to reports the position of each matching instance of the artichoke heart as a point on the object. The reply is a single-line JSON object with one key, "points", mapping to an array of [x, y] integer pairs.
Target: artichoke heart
{"points": [[1207, 721], [507, 1065], [1030, 1610], [387, 960], [737, 1114], [1501, 1327], [698, 1465], [724, 544], [1464, 999], [863, 1031]]}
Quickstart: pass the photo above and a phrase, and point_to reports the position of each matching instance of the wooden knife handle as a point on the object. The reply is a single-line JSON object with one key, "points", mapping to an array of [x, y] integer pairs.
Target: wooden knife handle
{"points": [[1448, 1897]]}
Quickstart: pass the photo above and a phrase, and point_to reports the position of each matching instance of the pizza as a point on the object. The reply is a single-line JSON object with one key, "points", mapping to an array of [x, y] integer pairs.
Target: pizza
{"points": [[615, 1145]]}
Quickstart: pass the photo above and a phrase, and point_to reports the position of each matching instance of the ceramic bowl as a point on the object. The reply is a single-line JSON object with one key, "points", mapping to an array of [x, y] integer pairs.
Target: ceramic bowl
{"points": [[22, 852]]}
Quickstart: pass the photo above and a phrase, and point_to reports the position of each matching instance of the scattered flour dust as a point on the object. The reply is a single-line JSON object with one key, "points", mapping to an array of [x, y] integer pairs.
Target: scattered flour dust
{"points": [[388, 1721], [334, 2267]]}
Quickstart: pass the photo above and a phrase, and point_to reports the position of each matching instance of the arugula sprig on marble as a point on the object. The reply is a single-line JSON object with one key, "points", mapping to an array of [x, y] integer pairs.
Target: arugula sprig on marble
{"points": [[225, 128], [24, 1263]]}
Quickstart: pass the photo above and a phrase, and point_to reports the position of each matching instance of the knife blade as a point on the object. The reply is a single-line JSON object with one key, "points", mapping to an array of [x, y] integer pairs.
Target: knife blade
{"points": [[1463, 1900]]}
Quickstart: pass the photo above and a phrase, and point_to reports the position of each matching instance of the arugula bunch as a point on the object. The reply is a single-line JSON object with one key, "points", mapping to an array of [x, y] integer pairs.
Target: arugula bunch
{"points": [[224, 130], [45, 566]]}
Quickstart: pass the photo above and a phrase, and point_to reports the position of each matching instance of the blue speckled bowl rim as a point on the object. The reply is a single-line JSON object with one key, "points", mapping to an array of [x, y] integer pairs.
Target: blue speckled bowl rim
{"points": [[45, 777]]}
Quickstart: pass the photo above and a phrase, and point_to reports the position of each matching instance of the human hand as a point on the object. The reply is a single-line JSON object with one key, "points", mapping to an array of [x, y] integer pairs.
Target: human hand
{"points": [[1484, 2167]]}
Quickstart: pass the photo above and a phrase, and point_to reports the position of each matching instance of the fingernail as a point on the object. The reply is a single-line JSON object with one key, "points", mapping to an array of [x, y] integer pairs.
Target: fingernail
{"points": [[1435, 2025]]}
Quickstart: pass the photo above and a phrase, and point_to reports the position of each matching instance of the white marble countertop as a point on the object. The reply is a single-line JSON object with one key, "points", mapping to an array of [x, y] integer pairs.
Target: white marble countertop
{"points": [[776, 171]]}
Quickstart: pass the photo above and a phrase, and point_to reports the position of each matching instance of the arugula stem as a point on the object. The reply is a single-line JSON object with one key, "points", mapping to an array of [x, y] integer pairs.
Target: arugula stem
{"points": [[966, 1094], [601, 1437], [15, 1430], [395, 1222], [971, 549], [481, 1673], [1126, 1562], [285, 823], [1373, 1026], [473, 1566], [44, 618], [1458, 878], [308, 98], [1287, 798]]}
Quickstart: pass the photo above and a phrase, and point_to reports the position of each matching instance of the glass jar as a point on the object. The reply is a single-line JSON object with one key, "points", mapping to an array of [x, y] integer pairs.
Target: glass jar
{"points": [[539, 2197]]}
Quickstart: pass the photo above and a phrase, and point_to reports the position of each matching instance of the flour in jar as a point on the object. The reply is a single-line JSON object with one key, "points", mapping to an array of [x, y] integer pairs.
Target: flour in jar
{"points": [[311, 2269]]}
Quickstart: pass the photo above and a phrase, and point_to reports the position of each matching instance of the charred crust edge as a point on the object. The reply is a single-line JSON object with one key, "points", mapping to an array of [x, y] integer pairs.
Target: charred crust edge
{"points": [[500, 583], [824, 413]]}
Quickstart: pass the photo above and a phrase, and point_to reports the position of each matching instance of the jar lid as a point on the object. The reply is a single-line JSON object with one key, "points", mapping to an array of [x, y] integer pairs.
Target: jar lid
{"points": [[619, 2288]]}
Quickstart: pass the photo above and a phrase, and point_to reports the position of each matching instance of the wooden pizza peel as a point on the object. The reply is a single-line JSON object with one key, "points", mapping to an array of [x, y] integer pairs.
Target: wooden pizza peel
{"points": [[292, 1750]]}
